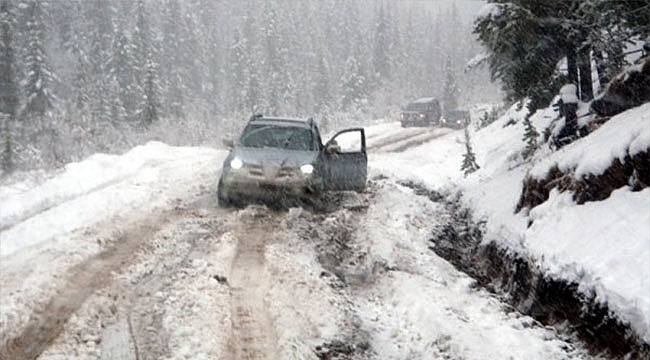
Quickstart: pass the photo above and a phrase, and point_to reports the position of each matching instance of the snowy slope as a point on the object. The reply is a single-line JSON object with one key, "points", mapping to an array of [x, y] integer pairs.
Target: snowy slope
{"points": [[604, 246]]}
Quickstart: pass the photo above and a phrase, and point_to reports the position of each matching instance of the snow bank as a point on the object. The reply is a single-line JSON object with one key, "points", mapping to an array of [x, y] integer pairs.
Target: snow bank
{"points": [[626, 134], [603, 246], [78, 191], [80, 178]]}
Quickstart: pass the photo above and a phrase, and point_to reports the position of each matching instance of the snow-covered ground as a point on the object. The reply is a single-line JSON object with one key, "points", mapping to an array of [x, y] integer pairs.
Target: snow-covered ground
{"points": [[604, 246], [406, 303]]}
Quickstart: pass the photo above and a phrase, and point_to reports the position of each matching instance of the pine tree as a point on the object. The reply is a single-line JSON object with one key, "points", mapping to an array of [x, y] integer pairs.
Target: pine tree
{"points": [[450, 91], [322, 94], [526, 39], [523, 51], [354, 80], [353, 84], [174, 61], [251, 75], [151, 111], [124, 73], [237, 73], [8, 89], [381, 50], [39, 98], [146, 69], [277, 81], [100, 58], [469, 159], [530, 138]]}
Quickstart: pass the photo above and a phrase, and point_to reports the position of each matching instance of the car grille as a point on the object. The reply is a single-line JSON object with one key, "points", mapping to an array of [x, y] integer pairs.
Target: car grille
{"points": [[413, 117], [255, 170], [270, 172], [285, 172]]}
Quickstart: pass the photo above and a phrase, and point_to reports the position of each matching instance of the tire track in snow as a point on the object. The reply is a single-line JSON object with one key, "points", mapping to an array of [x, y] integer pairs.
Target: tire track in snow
{"points": [[405, 140], [253, 335], [83, 280]]}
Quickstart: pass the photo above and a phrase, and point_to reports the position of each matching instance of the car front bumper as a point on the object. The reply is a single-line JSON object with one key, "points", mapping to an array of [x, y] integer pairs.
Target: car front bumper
{"points": [[239, 184]]}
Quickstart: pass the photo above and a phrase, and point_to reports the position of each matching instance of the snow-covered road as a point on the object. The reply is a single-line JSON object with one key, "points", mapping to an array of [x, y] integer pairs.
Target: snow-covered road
{"points": [[144, 265]]}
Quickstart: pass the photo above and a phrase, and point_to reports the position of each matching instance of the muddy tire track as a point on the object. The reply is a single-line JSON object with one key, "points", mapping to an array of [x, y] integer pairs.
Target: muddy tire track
{"points": [[253, 335], [82, 281], [144, 309], [95, 277]]}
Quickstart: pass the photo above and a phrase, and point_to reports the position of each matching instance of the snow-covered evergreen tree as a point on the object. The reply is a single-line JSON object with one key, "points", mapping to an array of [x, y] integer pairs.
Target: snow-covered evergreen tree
{"points": [[278, 84], [450, 91], [353, 84], [530, 138], [111, 57], [124, 68], [100, 57], [527, 39], [237, 74], [151, 111], [146, 69], [322, 88], [39, 80], [381, 60], [253, 94], [174, 60], [8, 89], [469, 158]]}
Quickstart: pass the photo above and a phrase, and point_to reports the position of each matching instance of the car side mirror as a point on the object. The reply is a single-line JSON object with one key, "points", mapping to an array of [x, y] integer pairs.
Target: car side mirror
{"points": [[332, 148], [229, 143]]}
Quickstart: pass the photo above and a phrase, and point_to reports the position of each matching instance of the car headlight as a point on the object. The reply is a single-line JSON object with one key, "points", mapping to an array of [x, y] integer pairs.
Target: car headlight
{"points": [[307, 169], [236, 163]]}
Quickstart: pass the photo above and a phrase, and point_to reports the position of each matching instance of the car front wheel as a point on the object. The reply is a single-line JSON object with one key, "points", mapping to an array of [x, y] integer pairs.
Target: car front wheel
{"points": [[222, 196]]}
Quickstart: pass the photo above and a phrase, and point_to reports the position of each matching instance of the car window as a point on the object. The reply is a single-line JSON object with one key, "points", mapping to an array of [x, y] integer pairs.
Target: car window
{"points": [[416, 107], [283, 137], [348, 142]]}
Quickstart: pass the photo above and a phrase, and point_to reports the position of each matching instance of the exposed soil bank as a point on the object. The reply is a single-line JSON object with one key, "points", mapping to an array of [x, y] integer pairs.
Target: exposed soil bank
{"points": [[634, 171], [553, 302]]}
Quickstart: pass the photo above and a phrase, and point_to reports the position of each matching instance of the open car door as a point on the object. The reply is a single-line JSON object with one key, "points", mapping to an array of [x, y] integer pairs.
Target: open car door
{"points": [[346, 160]]}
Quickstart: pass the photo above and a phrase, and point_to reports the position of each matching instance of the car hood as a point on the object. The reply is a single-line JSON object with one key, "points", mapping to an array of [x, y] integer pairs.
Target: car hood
{"points": [[274, 156]]}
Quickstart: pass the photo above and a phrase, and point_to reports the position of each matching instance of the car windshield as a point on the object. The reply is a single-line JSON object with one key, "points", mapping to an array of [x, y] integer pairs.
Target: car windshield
{"points": [[284, 137], [416, 107]]}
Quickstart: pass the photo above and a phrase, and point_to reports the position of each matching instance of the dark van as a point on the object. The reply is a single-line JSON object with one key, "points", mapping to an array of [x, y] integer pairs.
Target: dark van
{"points": [[421, 112]]}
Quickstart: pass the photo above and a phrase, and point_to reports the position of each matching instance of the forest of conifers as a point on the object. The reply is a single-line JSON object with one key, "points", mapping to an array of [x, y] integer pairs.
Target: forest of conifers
{"points": [[82, 76]]}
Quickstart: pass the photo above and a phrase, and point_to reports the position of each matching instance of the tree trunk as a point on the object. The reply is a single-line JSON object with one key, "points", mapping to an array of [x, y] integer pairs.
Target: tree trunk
{"points": [[601, 68], [6, 149], [584, 66], [572, 66]]}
